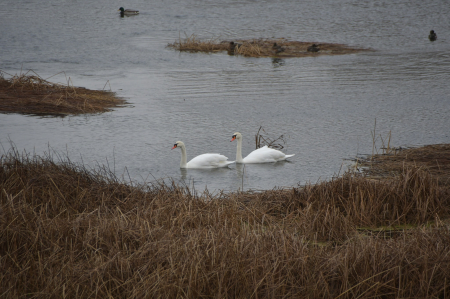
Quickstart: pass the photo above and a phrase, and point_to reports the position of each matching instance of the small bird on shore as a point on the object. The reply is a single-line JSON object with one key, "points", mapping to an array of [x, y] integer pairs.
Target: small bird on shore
{"points": [[432, 36], [313, 48], [277, 48], [128, 11]]}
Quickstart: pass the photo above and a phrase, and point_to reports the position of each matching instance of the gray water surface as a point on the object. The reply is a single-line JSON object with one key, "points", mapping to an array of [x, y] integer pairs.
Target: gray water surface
{"points": [[325, 106]]}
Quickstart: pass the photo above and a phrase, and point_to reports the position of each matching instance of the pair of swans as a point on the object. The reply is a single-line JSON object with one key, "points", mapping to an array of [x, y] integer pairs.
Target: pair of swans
{"points": [[260, 155]]}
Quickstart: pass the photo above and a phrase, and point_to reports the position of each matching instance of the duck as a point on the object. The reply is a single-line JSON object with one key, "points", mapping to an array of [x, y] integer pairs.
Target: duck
{"points": [[233, 47], [313, 48], [202, 161], [432, 36], [128, 11], [277, 48], [264, 154]]}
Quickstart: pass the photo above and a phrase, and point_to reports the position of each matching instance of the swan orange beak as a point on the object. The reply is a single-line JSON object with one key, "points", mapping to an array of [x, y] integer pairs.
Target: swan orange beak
{"points": [[174, 146], [232, 139]]}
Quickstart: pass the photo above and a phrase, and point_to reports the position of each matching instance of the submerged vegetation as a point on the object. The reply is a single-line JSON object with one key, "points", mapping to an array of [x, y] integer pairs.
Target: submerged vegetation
{"points": [[28, 93], [281, 47], [71, 232]]}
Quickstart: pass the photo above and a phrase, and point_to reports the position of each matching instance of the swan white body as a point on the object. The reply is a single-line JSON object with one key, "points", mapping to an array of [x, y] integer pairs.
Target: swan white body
{"points": [[201, 161], [264, 154]]}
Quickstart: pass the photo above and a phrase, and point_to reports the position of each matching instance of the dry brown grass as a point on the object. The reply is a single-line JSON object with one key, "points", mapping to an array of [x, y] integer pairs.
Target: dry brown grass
{"points": [[70, 232], [28, 93], [261, 47], [193, 44], [434, 159]]}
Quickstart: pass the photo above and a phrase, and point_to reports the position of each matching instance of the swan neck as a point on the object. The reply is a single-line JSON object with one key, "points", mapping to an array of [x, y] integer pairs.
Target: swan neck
{"points": [[183, 162], [239, 151]]}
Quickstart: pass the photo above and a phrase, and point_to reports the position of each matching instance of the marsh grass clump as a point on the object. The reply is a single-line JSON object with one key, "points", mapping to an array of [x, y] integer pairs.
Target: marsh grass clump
{"points": [[280, 48], [72, 232], [28, 93], [434, 159], [193, 44]]}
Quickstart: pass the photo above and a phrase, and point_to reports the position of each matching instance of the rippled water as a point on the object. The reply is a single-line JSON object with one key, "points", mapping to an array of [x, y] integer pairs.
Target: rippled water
{"points": [[325, 106]]}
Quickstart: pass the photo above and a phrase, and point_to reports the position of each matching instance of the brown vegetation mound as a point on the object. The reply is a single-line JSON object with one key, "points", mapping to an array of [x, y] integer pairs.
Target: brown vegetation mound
{"points": [[69, 232], [30, 94], [434, 159], [280, 48]]}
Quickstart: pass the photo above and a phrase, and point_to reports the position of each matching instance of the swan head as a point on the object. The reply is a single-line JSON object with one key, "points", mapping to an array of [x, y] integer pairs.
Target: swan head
{"points": [[237, 136], [178, 144]]}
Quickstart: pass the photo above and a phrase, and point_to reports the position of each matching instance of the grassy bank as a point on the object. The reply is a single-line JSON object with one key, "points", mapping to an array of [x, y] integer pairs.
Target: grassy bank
{"points": [[70, 232], [28, 93]]}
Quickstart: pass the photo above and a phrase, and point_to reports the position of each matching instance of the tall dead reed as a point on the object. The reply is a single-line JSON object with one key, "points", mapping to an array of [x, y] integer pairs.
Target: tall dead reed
{"points": [[71, 232], [262, 140]]}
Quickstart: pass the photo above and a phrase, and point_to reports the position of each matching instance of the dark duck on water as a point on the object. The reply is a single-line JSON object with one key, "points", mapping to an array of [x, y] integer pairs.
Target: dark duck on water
{"points": [[128, 11], [432, 36]]}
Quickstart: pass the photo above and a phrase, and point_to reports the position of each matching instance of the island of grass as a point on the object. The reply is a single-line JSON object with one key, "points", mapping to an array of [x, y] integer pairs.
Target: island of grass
{"points": [[30, 94], [435, 159], [279, 48], [67, 231]]}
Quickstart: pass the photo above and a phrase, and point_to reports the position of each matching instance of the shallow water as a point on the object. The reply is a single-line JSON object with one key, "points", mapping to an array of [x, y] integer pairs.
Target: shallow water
{"points": [[325, 106]]}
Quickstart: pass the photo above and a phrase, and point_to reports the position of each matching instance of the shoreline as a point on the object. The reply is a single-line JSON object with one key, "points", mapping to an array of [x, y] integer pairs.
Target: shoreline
{"points": [[68, 231]]}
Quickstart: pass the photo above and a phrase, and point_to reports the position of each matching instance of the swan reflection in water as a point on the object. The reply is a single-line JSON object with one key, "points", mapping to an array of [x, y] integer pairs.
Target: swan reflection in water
{"points": [[252, 172], [196, 176]]}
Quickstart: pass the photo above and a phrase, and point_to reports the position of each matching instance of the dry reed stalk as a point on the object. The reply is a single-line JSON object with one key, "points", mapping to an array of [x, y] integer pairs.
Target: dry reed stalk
{"points": [[67, 231], [261, 140]]}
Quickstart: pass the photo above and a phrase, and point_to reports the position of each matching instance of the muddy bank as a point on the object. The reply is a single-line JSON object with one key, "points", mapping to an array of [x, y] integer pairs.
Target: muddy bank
{"points": [[31, 94]]}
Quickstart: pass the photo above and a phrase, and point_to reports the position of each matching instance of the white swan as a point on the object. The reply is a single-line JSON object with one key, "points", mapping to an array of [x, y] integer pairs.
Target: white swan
{"points": [[202, 161], [264, 154]]}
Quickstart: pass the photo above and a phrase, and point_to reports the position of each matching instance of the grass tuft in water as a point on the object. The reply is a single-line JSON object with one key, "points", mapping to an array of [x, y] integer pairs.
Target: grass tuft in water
{"points": [[29, 93], [281, 48]]}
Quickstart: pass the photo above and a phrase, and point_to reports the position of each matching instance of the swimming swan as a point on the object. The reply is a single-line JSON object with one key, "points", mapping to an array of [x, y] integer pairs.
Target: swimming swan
{"points": [[264, 154], [202, 161]]}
